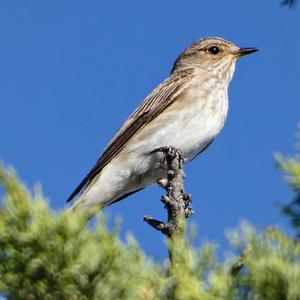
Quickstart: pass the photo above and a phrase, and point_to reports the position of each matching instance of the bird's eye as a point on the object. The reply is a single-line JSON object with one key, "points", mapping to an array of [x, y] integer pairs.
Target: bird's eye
{"points": [[214, 50]]}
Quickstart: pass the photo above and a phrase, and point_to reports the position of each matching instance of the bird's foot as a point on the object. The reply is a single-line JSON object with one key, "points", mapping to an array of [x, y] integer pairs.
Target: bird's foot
{"points": [[170, 153]]}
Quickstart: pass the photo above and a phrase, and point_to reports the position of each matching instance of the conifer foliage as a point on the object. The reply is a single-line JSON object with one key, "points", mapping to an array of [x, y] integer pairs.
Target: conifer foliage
{"points": [[50, 255]]}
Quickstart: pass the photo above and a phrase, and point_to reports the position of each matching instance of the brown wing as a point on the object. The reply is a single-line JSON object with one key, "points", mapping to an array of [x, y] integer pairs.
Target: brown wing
{"points": [[151, 107]]}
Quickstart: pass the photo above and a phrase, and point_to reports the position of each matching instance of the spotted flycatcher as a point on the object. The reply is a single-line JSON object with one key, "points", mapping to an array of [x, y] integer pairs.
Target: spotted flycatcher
{"points": [[186, 111]]}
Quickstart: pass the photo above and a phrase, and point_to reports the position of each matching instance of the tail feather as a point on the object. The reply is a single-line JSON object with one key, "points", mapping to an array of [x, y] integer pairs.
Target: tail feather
{"points": [[78, 189], [91, 211]]}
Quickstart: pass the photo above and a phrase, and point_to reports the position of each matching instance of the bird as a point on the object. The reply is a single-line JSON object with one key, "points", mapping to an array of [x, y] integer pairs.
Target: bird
{"points": [[186, 111]]}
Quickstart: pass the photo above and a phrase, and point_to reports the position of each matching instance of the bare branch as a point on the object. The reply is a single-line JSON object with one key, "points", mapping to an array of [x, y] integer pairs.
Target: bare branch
{"points": [[240, 263], [177, 203]]}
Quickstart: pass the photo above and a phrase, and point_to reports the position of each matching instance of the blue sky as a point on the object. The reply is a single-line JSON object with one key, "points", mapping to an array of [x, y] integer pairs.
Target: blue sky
{"points": [[72, 71]]}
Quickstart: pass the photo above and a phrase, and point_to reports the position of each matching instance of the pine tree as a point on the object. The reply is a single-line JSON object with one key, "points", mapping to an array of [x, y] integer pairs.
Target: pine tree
{"points": [[290, 166]]}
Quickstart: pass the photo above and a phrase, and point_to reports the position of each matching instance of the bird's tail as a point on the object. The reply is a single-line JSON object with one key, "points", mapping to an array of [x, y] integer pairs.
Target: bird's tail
{"points": [[80, 206]]}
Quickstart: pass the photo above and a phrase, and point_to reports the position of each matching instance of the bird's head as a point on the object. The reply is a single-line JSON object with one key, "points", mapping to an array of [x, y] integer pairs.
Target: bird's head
{"points": [[214, 55]]}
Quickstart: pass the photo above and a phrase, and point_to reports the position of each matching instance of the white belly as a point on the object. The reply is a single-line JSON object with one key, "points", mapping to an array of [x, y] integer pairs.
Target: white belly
{"points": [[188, 124]]}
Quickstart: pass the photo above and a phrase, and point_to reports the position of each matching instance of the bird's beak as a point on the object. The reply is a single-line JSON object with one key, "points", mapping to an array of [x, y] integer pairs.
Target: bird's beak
{"points": [[245, 51]]}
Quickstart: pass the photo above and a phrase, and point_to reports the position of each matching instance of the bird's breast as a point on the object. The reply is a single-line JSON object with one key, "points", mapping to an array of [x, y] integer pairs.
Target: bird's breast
{"points": [[189, 123], [202, 116]]}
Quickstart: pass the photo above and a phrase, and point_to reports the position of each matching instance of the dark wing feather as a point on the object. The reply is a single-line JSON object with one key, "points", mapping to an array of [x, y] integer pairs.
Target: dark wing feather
{"points": [[151, 107]]}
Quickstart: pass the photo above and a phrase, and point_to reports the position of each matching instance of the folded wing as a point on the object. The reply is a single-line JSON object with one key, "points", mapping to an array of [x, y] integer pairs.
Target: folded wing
{"points": [[150, 108]]}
